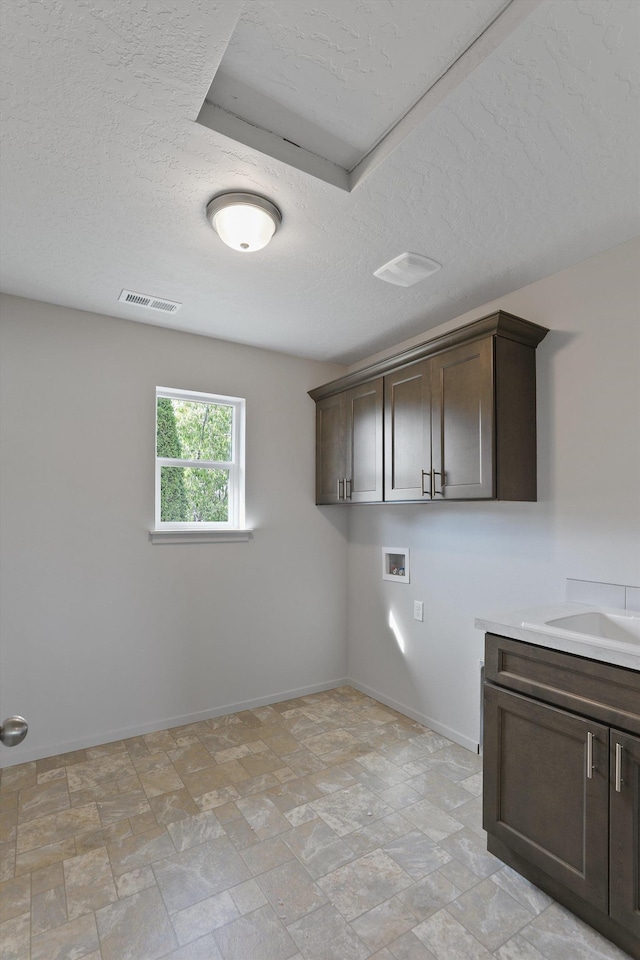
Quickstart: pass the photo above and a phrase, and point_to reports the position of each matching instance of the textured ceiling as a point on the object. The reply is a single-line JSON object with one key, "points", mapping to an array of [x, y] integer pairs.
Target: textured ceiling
{"points": [[334, 77], [529, 165]]}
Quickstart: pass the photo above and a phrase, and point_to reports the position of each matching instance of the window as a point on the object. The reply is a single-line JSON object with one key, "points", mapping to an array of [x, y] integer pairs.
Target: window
{"points": [[199, 465]]}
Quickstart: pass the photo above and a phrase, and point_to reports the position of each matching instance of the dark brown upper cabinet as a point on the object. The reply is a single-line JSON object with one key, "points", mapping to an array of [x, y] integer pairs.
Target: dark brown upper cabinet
{"points": [[349, 445], [459, 420]]}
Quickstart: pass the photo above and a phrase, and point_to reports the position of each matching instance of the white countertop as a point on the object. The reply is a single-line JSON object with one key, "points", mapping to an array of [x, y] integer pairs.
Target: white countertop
{"points": [[529, 625]]}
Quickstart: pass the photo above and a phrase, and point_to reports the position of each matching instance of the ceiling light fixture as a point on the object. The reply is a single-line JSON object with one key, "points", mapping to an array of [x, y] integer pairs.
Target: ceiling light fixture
{"points": [[244, 221]]}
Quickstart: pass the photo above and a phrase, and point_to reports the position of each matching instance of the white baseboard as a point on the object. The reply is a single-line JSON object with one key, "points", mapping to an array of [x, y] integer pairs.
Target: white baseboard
{"points": [[23, 753], [415, 715]]}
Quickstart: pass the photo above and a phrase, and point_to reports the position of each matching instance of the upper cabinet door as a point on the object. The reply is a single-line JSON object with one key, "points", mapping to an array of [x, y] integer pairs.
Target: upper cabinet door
{"points": [[624, 765], [463, 422], [331, 449], [364, 443], [407, 426]]}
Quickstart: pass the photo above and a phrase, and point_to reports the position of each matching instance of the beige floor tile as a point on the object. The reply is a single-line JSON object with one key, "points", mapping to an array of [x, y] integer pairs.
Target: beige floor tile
{"points": [[135, 928], [347, 810], [134, 881], [447, 939], [318, 848], [363, 884], [168, 807], [36, 802], [416, 854], [216, 798], [76, 821], [14, 937], [201, 872], [48, 910], [15, 896], [74, 939], [291, 891], [325, 935], [192, 831], [19, 777], [47, 878], [122, 806], [265, 855], [203, 917], [384, 923], [44, 856], [156, 782], [134, 852], [259, 934], [89, 883], [490, 914]]}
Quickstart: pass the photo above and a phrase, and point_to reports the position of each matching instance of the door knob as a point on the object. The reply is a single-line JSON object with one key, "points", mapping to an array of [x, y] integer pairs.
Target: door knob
{"points": [[13, 731]]}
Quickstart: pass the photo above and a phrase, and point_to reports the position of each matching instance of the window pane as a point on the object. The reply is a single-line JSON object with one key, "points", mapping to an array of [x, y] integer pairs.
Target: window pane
{"points": [[191, 495], [194, 431]]}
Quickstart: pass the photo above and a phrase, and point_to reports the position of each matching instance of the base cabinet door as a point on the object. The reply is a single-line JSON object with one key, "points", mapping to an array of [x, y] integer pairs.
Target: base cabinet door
{"points": [[547, 790], [625, 830]]}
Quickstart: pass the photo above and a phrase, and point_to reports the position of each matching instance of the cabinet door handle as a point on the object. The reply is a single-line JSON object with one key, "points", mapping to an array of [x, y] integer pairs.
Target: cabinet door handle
{"points": [[434, 492], [429, 492], [589, 756], [340, 496], [619, 780], [347, 496]]}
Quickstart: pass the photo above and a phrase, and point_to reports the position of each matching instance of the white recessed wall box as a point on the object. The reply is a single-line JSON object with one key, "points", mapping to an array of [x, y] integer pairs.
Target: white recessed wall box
{"points": [[407, 269], [395, 564]]}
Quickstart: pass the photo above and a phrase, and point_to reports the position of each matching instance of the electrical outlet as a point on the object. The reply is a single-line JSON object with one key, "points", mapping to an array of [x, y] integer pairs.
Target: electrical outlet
{"points": [[418, 610]]}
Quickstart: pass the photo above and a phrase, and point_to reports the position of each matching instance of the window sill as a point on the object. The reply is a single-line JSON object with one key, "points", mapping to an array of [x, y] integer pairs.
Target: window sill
{"points": [[200, 536]]}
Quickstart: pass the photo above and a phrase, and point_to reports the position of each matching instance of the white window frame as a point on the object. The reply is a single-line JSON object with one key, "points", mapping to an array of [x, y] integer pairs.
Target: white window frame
{"points": [[223, 531]]}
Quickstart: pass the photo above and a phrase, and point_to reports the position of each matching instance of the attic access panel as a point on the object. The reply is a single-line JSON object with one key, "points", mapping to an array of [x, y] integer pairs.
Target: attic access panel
{"points": [[319, 84]]}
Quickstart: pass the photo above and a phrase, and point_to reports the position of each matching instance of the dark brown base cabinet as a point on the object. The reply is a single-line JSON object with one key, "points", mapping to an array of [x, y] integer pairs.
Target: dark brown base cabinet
{"points": [[562, 780], [451, 419]]}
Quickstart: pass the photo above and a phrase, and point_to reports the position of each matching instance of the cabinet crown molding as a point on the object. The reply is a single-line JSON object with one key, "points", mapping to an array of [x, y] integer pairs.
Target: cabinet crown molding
{"points": [[500, 324]]}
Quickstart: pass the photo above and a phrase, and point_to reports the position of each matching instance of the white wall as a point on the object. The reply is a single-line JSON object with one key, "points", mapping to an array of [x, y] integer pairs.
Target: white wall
{"points": [[103, 633], [471, 559]]}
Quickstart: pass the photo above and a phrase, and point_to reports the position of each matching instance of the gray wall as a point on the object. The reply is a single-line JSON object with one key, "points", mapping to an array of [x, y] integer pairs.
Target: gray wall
{"points": [[103, 633], [472, 559]]}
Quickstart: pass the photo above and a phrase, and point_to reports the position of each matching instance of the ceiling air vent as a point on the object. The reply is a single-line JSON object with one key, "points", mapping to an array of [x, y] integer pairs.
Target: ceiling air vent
{"points": [[151, 303], [407, 269]]}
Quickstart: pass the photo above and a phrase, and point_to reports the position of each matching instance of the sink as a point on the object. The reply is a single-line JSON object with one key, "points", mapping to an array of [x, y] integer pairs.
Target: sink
{"points": [[607, 626], [596, 623]]}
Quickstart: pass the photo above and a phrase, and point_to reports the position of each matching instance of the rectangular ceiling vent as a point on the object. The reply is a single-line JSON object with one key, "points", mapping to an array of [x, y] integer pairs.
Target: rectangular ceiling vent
{"points": [[151, 303]]}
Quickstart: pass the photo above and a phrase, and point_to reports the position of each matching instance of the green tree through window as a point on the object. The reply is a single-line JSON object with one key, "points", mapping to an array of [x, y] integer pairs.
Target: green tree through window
{"points": [[195, 432], [173, 496]]}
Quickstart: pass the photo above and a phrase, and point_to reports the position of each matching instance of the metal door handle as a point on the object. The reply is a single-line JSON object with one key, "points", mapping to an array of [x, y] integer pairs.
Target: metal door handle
{"points": [[589, 756], [347, 496], [429, 492], [619, 780], [434, 474], [339, 496], [13, 731]]}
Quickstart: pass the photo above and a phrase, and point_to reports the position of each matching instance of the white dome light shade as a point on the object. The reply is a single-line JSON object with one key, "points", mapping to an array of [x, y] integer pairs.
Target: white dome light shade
{"points": [[244, 221]]}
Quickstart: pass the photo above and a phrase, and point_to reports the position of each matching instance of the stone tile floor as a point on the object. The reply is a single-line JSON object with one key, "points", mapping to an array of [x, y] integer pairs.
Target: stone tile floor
{"points": [[324, 828]]}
